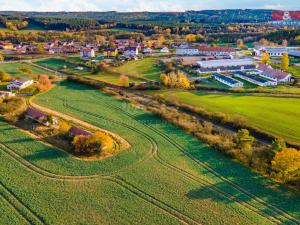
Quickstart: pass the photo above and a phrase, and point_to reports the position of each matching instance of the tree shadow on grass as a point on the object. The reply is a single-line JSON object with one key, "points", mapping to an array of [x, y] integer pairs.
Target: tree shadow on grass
{"points": [[16, 141], [47, 154]]}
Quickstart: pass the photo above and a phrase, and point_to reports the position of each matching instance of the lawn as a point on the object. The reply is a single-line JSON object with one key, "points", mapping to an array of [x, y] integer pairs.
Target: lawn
{"points": [[295, 70], [111, 78], [211, 83], [165, 177], [146, 68], [12, 69], [279, 116], [60, 64]]}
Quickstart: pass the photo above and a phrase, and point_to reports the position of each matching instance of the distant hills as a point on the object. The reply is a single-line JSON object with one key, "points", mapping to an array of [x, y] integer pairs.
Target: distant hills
{"points": [[203, 16]]}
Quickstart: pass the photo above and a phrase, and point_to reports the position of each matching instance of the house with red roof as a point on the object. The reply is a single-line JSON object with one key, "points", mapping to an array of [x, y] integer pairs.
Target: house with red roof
{"points": [[37, 116], [268, 72], [76, 131]]}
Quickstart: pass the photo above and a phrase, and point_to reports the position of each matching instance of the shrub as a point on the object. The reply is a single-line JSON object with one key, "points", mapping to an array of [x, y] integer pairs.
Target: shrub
{"points": [[99, 143], [64, 127], [286, 165], [5, 77], [44, 83]]}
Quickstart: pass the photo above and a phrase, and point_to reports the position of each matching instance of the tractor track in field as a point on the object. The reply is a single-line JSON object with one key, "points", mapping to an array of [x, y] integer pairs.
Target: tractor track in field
{"points": [[31, 217], [158, 203], [281, 212], [18, 211], [179, 170], [114, 179], [141, 194], [192, 176]]}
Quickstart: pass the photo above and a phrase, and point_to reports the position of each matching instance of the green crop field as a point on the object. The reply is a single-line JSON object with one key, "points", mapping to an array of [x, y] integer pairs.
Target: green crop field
{"points": [[12, 69], [165, 177], [60, 64], [279, 116], [145, 68]]}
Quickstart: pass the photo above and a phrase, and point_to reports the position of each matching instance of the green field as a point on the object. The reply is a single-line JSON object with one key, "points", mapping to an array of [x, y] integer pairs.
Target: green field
{"points": [[12, 69], [165, 177], [59, 65], [279, 116], [145, 68], [111, 78]]}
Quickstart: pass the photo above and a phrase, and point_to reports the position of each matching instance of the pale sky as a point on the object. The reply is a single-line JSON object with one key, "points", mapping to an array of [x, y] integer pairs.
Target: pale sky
{"points": [[143, 5]]}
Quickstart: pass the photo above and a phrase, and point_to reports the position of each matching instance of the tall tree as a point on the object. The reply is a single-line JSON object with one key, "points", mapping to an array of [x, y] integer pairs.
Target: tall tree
{"points": [[285, 62], [245, 141], [265, 58]]}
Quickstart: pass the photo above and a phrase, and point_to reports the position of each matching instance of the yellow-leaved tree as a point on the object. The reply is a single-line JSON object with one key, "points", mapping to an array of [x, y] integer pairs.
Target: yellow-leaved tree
{"points": [[175, 79], [265, 59], [124, 81], [285, 62], [286, 164]]}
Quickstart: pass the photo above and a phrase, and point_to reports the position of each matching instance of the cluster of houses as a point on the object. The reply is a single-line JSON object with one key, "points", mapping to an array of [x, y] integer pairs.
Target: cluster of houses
{"points": [[263, 75]]}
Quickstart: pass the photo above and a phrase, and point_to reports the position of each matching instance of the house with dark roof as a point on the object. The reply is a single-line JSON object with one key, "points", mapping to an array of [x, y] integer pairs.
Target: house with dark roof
{"points": [[76, 131], [229, 81], [37, 116], [131, 52]]}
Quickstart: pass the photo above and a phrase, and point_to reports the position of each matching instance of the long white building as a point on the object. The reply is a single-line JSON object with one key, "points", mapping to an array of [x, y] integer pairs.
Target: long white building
{"points": [[272, 50], [225, 63]]}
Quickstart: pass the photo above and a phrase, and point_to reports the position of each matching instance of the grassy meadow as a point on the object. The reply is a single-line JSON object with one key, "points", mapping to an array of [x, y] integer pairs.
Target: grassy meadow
{"points": [[165, 177], [279, 116], [145, 68], [111, 78], [12, 69], [60, 64]]}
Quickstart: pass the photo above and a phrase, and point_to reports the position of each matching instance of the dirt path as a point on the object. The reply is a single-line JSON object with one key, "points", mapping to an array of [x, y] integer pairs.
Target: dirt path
{"points": [[122, 142]]}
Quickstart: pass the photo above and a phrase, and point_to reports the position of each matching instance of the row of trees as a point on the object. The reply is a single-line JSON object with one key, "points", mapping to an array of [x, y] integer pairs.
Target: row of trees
{"points": [[284, 64], [285, 162]]}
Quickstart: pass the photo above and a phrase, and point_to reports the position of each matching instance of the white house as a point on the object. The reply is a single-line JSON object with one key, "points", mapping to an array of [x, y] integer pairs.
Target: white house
{"points": [[165, 50], [131, 52], [20, 84], [227, 80], [147, 51], [87, 53]]}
